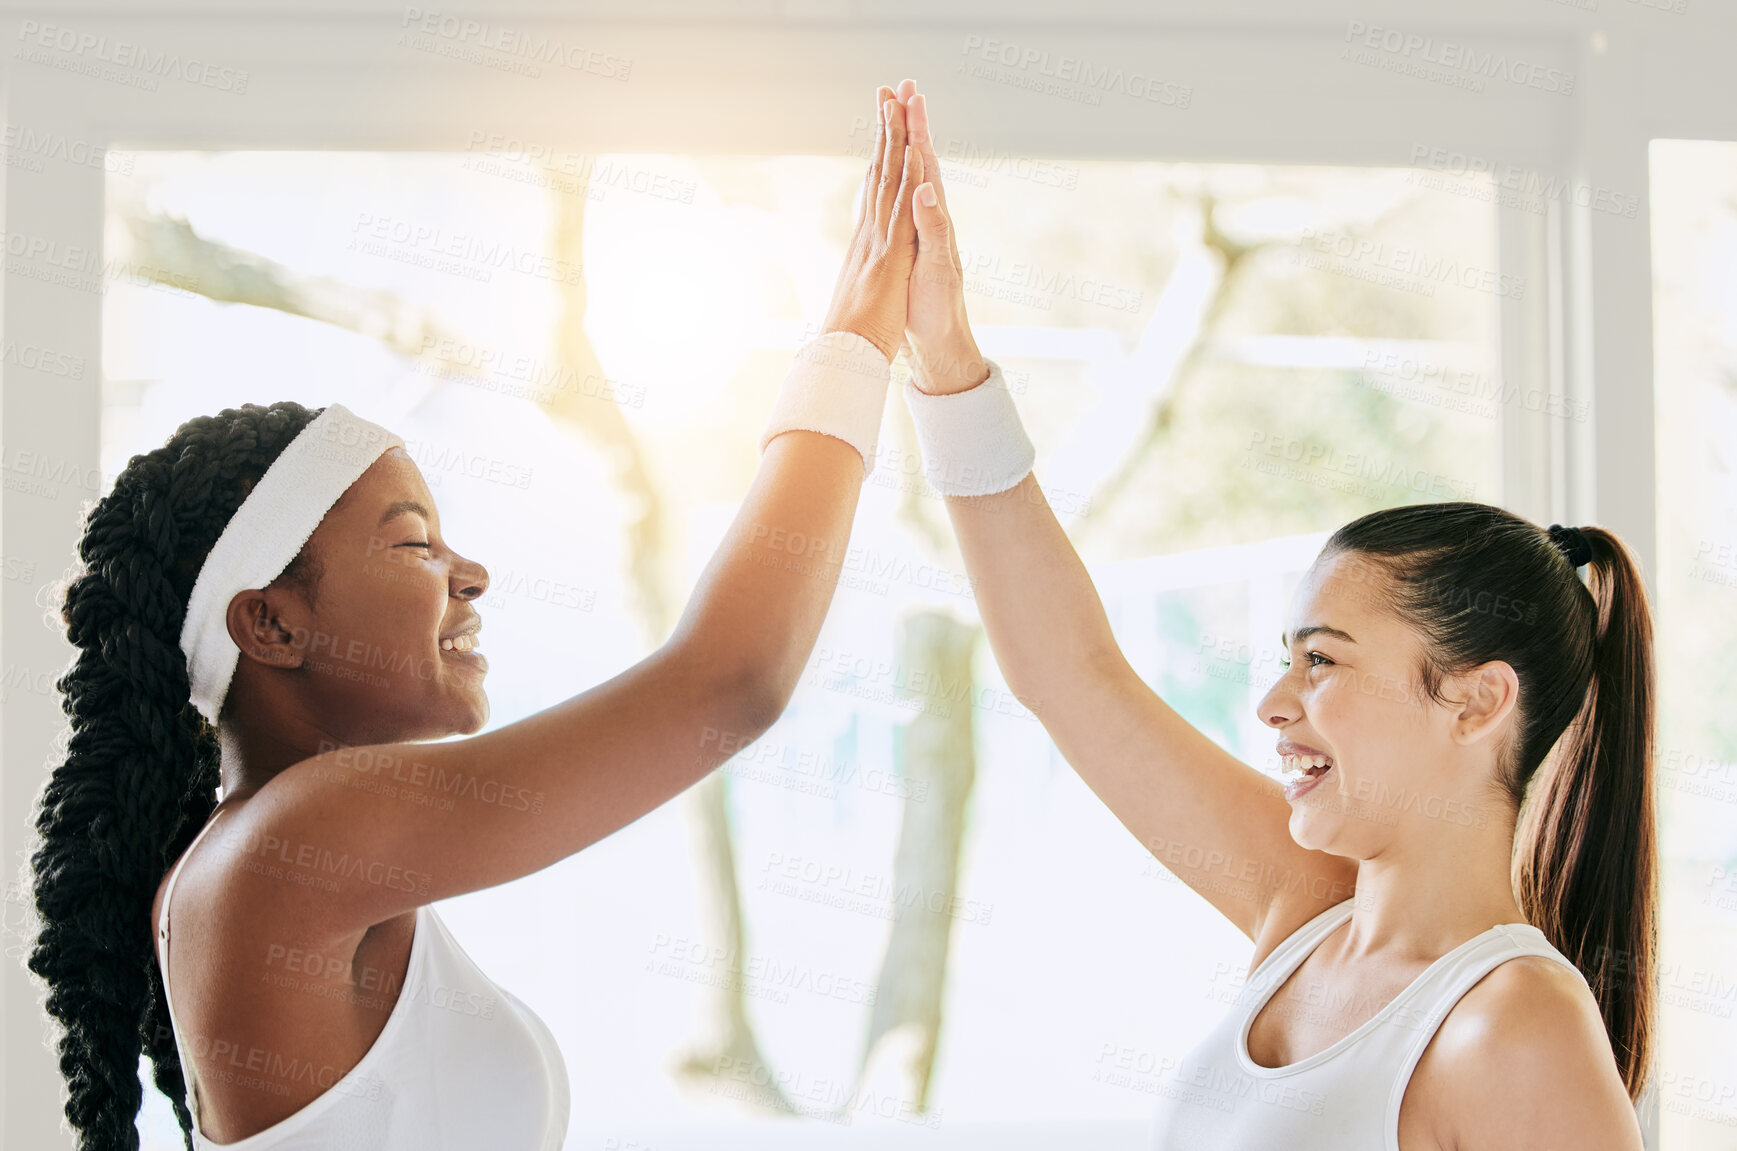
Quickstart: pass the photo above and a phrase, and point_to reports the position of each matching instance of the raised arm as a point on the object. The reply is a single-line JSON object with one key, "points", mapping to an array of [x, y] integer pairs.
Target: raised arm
{"points": [[1216, 823], [471, 813]]}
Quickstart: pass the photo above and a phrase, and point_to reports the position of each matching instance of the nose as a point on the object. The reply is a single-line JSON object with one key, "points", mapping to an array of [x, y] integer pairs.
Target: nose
{"points": [[1279, 705], [469, 579]]}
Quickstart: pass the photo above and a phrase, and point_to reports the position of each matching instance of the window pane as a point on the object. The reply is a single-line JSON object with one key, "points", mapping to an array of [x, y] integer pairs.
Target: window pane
{"points": [[1219, 364], [1694, 232]]}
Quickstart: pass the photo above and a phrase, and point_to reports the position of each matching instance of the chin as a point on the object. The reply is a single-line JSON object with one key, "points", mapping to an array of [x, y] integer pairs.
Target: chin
{"points": [[1308, 832], [479, 715], [456, 717]]}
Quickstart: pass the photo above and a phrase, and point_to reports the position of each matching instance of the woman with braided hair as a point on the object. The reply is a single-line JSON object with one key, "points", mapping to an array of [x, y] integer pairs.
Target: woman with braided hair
{"points": [[1452, 898], [267, 609]]}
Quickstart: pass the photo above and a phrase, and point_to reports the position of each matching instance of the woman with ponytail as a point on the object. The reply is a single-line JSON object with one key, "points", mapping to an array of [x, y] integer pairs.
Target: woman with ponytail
{"points": [[1452, 898], [238, 853]]}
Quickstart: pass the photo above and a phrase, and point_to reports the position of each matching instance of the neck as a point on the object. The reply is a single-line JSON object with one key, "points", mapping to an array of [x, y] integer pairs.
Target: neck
{"points": [[260, 738], [1434, 888]]}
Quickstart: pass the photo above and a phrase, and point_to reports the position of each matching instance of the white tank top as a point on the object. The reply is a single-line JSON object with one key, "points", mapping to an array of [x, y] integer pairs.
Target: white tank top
{"points": [[1344, 1098], [460, 1063]]}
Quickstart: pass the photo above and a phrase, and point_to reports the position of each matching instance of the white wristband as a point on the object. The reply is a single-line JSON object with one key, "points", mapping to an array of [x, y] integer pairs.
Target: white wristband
{"points": [[836, 386], [973, 443]]}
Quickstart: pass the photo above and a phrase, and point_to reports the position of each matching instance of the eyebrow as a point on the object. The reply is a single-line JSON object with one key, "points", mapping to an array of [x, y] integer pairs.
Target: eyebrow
{"points": [[1304, 633], [394, 510]]}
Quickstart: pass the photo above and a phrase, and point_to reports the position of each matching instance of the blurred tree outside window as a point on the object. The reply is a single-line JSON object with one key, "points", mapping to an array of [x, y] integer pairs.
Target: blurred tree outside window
{"points": [[900, 906]]}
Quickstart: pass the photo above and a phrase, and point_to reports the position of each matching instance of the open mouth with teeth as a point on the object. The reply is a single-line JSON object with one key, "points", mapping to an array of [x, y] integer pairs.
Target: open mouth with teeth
{"points": [[1299, 767], [459, 642]]}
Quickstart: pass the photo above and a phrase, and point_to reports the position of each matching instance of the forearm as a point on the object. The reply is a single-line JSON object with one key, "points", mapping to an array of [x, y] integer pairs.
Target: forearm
{"points": [[1043, 616], [759, 605]]}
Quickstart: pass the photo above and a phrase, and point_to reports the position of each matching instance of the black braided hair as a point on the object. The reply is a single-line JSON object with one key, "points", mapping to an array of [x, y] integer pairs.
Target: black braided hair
{"points": [[140, 776]]}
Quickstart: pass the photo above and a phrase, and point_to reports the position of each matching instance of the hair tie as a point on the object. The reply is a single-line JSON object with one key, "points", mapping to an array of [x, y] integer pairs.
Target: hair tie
{"points": [[265, 534], [1572, 544]]}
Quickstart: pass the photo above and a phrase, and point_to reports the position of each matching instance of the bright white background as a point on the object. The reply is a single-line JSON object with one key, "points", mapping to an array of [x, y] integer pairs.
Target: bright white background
{"points": [[1271, 86]]}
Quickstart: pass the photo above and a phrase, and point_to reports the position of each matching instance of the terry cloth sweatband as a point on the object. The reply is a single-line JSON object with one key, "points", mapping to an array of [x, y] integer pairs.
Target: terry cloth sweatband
{"points": [[836, 386], [266, 533], [973, 443]]}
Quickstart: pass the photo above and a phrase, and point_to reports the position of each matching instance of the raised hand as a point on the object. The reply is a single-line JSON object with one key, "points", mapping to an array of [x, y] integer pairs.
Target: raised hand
{"points": [[943, 352], [870, 295]]}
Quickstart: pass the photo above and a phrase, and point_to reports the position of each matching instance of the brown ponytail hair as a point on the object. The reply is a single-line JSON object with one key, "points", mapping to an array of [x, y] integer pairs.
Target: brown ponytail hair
{"points": [[1579, 770]]}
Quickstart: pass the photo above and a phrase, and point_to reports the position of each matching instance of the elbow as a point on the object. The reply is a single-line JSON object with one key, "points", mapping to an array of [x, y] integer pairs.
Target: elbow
{"points": [[743, 692], [748, 698], [754, 701]]}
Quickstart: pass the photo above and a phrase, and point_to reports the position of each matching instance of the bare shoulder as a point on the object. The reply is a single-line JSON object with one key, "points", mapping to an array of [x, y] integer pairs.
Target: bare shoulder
{"points": [[1523, 1060]]}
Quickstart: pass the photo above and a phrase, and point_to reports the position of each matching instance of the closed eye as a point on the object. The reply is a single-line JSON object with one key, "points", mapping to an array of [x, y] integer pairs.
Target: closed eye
{"points": [[417, 544]]}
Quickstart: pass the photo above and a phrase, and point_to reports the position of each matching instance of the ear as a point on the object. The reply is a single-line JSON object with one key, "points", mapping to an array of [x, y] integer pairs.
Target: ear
{"points": [[257, 623], [1488, 695]]}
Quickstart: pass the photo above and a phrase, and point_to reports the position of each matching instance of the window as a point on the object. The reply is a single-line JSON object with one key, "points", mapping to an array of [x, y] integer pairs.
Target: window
{"points": [[1694, 222], [1219, 364]]}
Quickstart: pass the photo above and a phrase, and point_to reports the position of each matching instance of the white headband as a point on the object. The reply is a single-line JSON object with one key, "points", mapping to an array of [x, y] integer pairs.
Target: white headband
{"points": [[268, 529]]}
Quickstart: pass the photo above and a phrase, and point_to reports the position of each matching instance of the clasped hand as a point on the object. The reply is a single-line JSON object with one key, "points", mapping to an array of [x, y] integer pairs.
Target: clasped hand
{"points": [[902, 282]]}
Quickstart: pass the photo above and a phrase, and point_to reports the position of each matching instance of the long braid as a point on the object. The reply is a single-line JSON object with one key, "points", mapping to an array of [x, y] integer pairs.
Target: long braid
{"points": [[140, 774]]}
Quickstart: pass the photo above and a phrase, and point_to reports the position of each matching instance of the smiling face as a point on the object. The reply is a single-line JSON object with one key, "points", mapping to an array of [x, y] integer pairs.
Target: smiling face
{"points": [[1399, 762], [375, 650]]}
